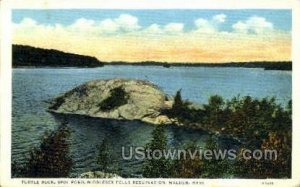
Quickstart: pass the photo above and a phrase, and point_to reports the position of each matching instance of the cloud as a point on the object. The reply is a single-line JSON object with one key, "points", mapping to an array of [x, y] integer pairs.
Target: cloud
{"points": [[204, 26], [170, 28], [221, 18], [82, 25], [210, 26], [174, 28], [28, 22], [154, 29], [124, 23], [29, 26], [25, 24], [201, 22], [109, 26], [254, 24], [127, 22]]}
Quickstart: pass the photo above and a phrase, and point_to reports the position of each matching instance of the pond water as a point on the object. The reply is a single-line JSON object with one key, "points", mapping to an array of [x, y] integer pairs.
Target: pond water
{"points": [[32, 88]]}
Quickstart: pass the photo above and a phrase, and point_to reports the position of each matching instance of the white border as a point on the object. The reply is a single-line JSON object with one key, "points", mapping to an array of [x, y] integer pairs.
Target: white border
{"points": [[5, 71]]}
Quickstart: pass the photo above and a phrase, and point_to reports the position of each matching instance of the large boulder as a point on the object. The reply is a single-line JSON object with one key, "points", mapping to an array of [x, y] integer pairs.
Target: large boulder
{"points": [[123, 99]]}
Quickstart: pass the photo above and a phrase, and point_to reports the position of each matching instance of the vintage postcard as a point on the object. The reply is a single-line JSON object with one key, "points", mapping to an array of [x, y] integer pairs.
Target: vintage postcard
{"points": [[149, 94]]}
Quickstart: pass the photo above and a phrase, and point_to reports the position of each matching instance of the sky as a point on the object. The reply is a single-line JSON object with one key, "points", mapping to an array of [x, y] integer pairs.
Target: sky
{"points": [[170, 35]]}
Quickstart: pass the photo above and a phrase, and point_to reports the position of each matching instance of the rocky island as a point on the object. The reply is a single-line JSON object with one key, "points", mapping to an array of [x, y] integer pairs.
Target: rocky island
{"points": [[121, 99], [141, 100]]}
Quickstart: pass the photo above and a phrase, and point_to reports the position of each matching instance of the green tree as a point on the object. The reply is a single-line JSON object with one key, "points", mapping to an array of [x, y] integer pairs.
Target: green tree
{"points": [[216, 167], [181, 109], [188, 167], [178, 103], [215, 103], [214, 112], [157, 168], [105, 158], [51, 158], [277, 166]]}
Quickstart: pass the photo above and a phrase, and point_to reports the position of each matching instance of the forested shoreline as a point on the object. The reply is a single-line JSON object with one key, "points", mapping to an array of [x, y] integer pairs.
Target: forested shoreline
{"points": [[32, 57]]}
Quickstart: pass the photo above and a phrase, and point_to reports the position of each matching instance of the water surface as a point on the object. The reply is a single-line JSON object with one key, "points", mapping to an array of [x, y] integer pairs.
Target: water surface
{"points": [[33, 87]]}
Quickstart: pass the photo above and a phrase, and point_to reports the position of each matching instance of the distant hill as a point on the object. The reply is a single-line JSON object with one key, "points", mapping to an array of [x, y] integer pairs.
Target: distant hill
{"points": [[37, 57]]}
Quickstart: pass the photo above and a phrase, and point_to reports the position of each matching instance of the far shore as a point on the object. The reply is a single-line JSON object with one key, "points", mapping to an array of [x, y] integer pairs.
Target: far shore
{"points": [[282, 65], [32, 57], [267, 65]]}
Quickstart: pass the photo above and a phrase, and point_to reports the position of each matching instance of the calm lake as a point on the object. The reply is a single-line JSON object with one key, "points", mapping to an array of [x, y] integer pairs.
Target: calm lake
{"points": [[32, 88]]}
